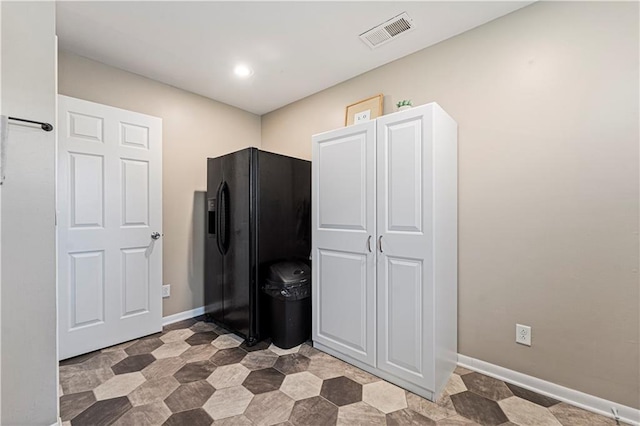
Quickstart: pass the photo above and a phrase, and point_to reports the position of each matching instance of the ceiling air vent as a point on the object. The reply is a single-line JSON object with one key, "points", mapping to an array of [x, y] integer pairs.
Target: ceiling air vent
{"points": [[387, 31]]}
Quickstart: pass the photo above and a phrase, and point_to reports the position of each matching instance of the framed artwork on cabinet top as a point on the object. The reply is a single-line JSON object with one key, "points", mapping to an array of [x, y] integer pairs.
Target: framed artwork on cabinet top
{"points": [[364, 110]]}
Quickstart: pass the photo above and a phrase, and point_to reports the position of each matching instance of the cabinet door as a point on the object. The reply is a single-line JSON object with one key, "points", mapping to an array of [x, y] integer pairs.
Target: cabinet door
{"points": [[405, 266], [343, 226]]}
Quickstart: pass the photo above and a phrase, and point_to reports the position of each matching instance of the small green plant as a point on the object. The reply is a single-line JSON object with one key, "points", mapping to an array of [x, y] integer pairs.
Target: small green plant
{"points": [[405, 102]]}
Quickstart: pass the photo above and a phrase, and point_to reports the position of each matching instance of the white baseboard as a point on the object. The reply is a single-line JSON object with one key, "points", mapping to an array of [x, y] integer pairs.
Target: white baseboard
{"points": [[570, 396], [170, 319]]}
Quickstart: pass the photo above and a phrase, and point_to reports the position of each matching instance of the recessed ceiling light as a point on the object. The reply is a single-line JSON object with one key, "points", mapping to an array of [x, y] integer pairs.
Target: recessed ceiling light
{"points": [[242, 71]]}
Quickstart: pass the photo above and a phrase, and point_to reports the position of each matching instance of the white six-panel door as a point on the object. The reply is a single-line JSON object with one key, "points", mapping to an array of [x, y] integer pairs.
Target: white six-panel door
{"points": [[109, 198], [405, 234], [343, 224]]}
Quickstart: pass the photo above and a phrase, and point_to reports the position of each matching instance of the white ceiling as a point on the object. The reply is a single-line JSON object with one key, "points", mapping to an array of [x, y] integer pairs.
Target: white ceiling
{"points": [[295, 48]]}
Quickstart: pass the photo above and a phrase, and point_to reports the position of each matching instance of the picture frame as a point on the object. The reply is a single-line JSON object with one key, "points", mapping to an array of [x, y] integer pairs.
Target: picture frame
{"points": [[364, 110]]}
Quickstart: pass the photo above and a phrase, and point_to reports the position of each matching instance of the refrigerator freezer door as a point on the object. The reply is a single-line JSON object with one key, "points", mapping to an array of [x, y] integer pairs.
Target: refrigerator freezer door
{"points": [[213, 296], [235, 225]]}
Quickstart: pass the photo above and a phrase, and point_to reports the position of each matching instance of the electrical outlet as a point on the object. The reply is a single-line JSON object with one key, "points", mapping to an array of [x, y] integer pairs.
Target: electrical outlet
{"points": [[166, 290], [523, 334]]}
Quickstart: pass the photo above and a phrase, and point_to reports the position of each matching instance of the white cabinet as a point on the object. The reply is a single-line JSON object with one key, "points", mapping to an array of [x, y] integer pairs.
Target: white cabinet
{"points": [[343, 196], [384, 222]]}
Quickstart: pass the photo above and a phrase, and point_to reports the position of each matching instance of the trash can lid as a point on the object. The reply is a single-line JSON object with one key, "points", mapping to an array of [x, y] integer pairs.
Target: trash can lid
{"points": [[289, 272]]}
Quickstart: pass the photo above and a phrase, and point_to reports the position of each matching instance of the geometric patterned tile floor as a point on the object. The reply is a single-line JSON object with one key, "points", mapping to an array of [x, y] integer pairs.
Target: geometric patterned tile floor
{"points": [[195, 373]]}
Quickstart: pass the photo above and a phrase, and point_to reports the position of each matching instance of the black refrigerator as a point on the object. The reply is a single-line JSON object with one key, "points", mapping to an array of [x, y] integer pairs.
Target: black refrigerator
{"points": [[258, 213]]}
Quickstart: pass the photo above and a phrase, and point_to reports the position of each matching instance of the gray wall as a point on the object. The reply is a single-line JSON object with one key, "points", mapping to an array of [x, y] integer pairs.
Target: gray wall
{"points": [[193, 128], [0, 226], [546, 99], [29, 355]]}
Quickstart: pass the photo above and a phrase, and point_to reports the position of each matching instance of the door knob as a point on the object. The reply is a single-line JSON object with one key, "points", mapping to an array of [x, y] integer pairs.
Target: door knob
{"points": [[156, 236]]}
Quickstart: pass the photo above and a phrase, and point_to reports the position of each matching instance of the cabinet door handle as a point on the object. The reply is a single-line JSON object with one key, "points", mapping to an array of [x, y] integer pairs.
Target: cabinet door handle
{"points": [[369, 243], [380, 244]]}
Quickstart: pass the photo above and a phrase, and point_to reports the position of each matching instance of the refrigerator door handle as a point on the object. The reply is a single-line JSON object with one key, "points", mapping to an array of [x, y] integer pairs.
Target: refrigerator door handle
{"points": [[223, 224], [218, 216]]}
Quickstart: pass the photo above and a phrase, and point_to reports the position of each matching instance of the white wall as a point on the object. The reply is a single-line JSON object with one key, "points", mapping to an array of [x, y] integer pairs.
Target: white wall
{"points": [[27, 248]]}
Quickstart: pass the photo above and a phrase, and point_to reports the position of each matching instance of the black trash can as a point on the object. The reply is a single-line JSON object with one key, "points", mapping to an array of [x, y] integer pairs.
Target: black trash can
{"points": [[288, 290]]}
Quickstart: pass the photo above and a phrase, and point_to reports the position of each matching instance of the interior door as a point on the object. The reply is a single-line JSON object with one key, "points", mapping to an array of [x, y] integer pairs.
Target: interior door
{"points": [[109, 198], [405, 241], [343, 236]]}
